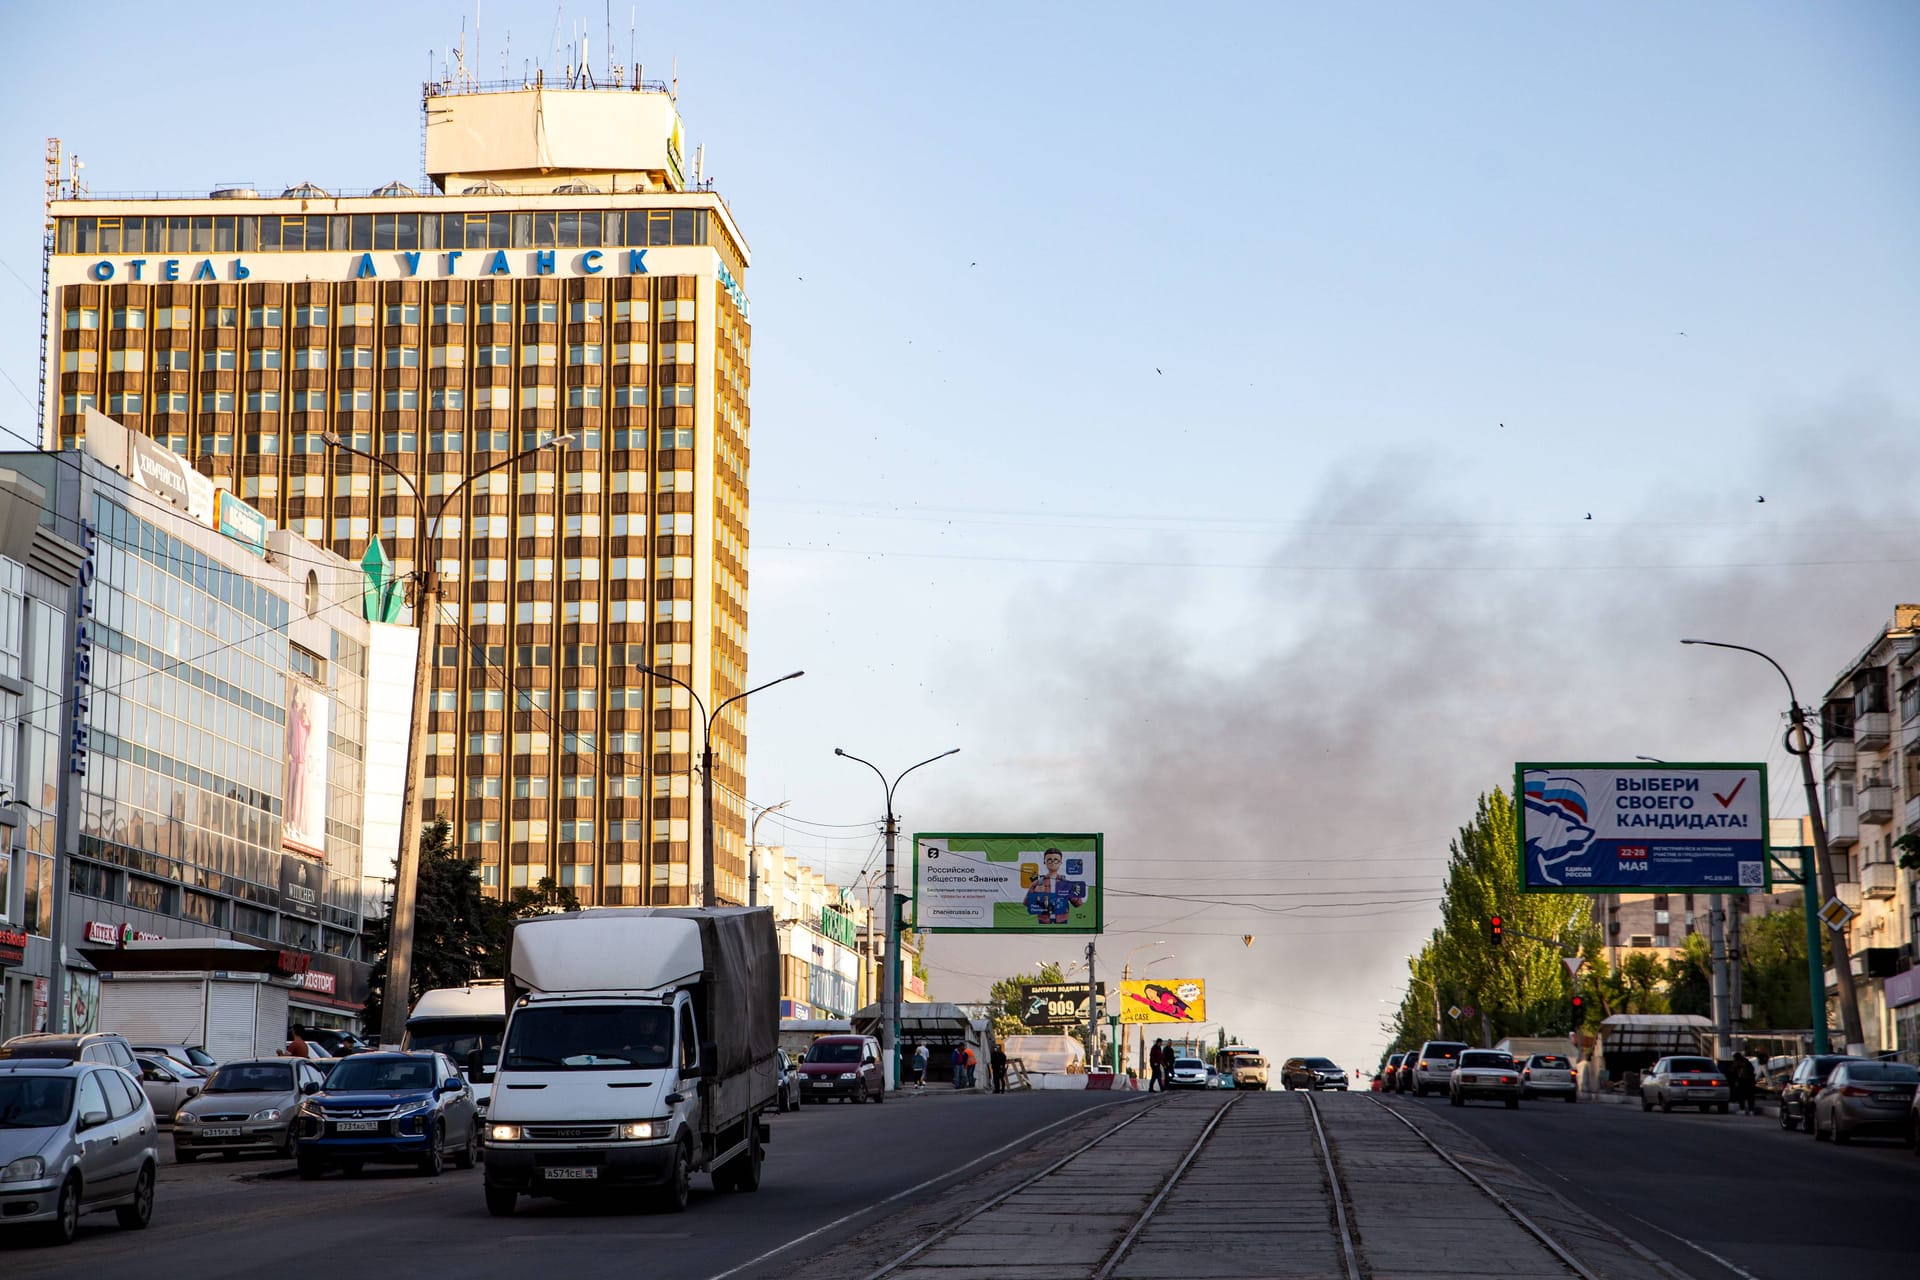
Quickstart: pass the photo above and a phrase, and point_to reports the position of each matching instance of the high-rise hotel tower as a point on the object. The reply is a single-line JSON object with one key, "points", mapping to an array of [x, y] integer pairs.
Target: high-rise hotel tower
{"points": [[562, 277]]}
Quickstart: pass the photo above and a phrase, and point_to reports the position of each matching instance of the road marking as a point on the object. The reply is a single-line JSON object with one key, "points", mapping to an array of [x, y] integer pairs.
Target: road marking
{"points": [[1733, 1267], [920, 1186]]}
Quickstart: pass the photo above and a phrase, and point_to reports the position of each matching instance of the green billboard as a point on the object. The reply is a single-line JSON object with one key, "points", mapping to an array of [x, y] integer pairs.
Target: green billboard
{"points": [[1007, 882]]}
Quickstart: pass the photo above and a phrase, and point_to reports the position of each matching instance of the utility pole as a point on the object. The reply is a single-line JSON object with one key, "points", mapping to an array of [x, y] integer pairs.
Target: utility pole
{"points": [[1093, 1012], [1717, 948]]}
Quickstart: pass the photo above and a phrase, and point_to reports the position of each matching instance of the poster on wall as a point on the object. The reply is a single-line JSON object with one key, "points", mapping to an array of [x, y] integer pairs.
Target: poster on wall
{"points": [[304, 824], [83, 1002], [997, 882], [303, 884]]}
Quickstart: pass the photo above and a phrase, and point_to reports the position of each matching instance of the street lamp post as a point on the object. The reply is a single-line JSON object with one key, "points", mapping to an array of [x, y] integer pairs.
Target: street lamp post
{"points": [[890, 970], [426, 613], [707, 898], [753, 852], [1126, 972], [1438, 1032], [1799, 742]]}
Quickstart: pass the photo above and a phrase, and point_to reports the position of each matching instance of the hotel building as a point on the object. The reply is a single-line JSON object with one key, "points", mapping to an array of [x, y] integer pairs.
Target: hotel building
{"points": [[559, 276]]}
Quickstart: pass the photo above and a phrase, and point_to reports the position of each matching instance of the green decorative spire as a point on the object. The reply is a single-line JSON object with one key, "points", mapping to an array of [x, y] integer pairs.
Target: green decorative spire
{"points": [[383, 588]]}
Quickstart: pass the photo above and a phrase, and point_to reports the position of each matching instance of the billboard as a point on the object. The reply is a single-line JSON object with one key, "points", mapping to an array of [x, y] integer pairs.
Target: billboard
{"points": [[1642, 828], [1163, 1000], [304, 814], [1044, 1005], [972, 882]]}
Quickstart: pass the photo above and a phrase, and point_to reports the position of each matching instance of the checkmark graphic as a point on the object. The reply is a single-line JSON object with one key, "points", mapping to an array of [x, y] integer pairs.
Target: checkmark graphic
{"points": [[1726, 801]]}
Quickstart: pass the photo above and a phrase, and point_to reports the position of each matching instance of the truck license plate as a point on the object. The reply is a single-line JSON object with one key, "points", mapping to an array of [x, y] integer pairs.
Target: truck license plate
{"points": [[221, 1131], [357, 1126], [568, 1174]]}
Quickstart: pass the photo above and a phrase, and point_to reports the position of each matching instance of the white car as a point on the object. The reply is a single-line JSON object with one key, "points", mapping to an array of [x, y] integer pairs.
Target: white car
{"points": [[1485, 1073], [1187, 1073], [1548, 1075], [1687, 1082]]}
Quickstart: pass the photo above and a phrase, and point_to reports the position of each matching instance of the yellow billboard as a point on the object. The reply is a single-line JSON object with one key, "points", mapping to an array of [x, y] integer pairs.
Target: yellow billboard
{"points": [[1163, 1000]]}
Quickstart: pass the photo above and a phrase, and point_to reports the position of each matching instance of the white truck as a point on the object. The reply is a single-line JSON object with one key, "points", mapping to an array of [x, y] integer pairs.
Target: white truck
{"points": [[640, 1049], [466, 1024]]}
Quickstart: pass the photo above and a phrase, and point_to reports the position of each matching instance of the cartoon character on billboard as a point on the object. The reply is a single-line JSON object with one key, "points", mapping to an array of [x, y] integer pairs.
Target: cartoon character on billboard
{"points": [[1052, 897], [1556, 824], [1162, 1001]]}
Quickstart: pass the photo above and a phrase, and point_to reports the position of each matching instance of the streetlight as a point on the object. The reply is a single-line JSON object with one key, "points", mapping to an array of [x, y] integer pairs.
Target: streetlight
{"points": [[706, 767], [753, 851], [889, 971], [1413, 977], [1126, 972], [1799, 741], [426, 612]]}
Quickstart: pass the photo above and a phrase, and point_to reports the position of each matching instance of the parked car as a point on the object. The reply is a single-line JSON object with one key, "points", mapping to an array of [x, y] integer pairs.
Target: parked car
{"points": [[1549, 1075], [1866, 1097], [75, 1137], [1432, 1066], [1797, 1094], [1188, 1073], [846, 1067], [245, 1106], [94, 1046], [334, 1044], [190, 1054], [1484, 1073], [387, 1108], [789, 1082], [1217, 1079], [167, 1084], [1312, 1073], [1687, 1082], [1385, 1080]]}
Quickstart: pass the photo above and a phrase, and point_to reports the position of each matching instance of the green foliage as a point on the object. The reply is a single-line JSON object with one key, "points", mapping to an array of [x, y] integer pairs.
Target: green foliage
{"points": [[1909, 847], [1517, 988], [1003, 1000], [1774, 969], [1689, 978]]}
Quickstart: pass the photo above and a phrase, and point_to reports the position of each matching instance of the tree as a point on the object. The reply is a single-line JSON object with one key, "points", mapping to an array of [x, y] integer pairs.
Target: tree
{"points": [[1003, 1000], [1690, 978], [459, 933], [544, 898], [1773, 970]]}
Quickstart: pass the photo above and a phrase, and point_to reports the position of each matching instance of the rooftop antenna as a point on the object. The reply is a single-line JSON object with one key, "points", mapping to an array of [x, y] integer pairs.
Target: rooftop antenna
{"points": [[676, 77], [460, 58], [699, 162], [476, 34], [633, 26]]}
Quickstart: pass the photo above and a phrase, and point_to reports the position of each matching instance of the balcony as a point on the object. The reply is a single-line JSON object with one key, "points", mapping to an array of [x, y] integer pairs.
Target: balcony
{"points": [[1872, 729], [1848, 891], [1843, 826], [1838, 753], [1875, 802], [1879, 880], [1912, 815]]}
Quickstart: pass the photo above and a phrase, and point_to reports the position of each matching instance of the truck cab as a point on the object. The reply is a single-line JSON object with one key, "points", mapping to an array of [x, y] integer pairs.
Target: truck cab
{"points": [[466, 1024]]}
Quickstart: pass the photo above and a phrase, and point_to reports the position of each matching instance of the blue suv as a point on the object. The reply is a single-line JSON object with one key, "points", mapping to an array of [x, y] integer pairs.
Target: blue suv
{"points": [[387, 1108]]}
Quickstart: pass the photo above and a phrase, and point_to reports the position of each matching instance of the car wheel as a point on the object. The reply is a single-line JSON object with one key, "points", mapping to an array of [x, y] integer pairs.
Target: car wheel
{"points": [[469, 1154], [309, 1167], [742, 1173], [1419, 1090], [1819, 1134], [1513, 1104], [860, 1091], [1840, 1136], [135, 1216], [501, 1201], [672, 1198], [1666, 1106], [1574, 1096], [66, 1214], [880, 1094], [435, 1161], [1786, 1119]]}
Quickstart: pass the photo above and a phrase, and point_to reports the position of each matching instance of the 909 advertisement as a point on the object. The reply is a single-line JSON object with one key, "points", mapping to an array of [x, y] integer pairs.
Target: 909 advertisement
{"points": [[1627, 828]]}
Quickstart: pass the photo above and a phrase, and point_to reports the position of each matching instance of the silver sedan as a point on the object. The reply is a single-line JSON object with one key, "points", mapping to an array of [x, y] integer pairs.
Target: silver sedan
{"points": [[247, 1106], [1866, 1097], [1685, 1082]]}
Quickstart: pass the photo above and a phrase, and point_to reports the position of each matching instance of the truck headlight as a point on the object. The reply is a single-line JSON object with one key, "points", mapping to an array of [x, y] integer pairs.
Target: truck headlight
{"points": [[643, 1129], [25, 1169], [503, 1133]]}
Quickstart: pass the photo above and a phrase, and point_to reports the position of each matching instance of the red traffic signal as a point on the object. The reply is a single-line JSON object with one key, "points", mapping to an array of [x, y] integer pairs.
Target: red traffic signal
{"points": [[1495, 932]]}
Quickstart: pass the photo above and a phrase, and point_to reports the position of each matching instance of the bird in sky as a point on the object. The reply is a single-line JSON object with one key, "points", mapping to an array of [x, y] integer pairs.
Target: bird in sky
{"points": [[1157, 370], [1503, 426], [1683, 333], [1761, 498], [973, 264], [1589, 515]]}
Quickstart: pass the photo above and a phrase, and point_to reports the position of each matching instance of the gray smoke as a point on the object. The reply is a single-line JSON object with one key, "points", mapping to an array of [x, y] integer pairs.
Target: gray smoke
{"points": [[1400, 652]]}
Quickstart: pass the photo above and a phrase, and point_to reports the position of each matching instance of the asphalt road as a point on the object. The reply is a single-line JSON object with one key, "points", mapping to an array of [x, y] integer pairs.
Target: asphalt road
{"points": [[1716, 1195], [831, 1170]]}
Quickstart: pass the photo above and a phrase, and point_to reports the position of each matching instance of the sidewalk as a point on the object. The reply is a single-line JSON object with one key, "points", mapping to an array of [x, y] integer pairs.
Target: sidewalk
{"points": [[1769, 1106]]}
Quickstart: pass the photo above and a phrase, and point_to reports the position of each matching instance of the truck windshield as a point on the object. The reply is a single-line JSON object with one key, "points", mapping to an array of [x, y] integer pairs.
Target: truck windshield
{"points": [[588, 1038]]}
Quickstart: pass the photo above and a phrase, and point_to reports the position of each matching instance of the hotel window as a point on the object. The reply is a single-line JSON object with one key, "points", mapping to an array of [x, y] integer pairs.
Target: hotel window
{"points": [[537, 524], [443, 442], [219, 317], [630, 398], [263, 317], [540, 570], [126, 402], [484, 527], [220, 444], [529, 788], [494, 312], [527, 830], [484, 744], [356, 314], [631, 353], [538, 312], [348, 399], [81, 318], [129, 318], [483, 831], [79, 361], [493, 357], [172, 318], [583, 397], [483, 613], [402, 358], [216, 402], [312, 317], [537, 397], [583, 525], [445, 398], [540, 353], [577, 744], [491, 398], [172, 402], [403, 313], [355, 357], [676, 397], [397, 442], [581, 312], [312, 400], [676, 353], [213, 358], [263, 402], [533, 612], [130, 361], [175, 361], [575, 830], [310, 357], [676, 310], [260, 486], [263, 358], [584, 353], [260, 443], [628, 437], [449, 313], [581, 611], [448, 358], [400, 398], [483, 788]]}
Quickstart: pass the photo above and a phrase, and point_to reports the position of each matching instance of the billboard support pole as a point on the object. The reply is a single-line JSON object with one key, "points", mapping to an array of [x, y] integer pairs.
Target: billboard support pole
{"points": [[1093, 1012], [1722, 1006], [1816, 985]]}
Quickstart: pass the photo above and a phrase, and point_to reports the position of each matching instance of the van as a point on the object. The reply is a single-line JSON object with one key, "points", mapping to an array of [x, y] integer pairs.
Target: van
{"points": [[844, 1067]]}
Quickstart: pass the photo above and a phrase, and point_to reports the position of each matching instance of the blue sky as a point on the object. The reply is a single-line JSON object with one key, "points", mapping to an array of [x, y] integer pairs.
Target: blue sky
{"points": [[1129, 388]]}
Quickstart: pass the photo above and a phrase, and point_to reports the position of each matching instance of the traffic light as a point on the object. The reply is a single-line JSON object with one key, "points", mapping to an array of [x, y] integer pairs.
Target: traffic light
{"points": [[1495, 932], [1579, 1011]]}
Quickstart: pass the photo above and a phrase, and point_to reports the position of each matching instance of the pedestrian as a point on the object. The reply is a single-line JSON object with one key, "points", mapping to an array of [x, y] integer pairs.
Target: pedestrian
{"points": [[999, 1063], [1743, 1082], [967, 1063], [1156, 1060], [920, 1065], [959, 1067], [297, 1046]]}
